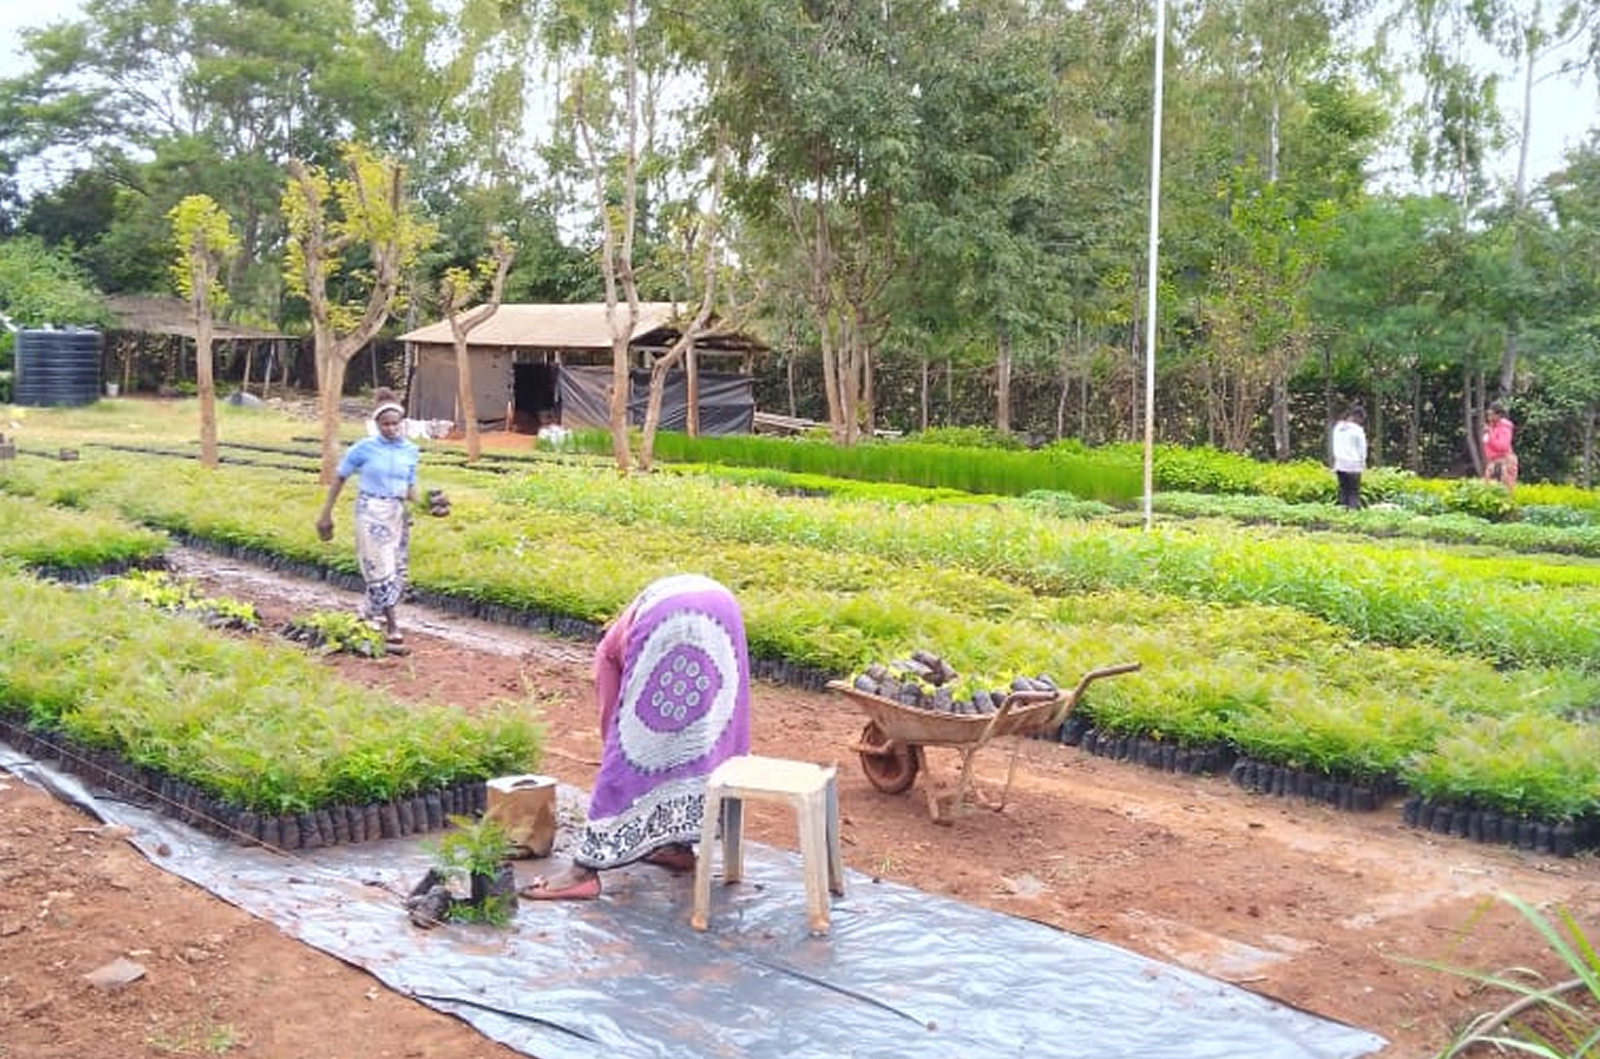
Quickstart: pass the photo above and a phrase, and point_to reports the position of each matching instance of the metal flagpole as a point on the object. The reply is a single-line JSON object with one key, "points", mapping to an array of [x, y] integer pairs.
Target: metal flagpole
{"points": [[1154, 271]]}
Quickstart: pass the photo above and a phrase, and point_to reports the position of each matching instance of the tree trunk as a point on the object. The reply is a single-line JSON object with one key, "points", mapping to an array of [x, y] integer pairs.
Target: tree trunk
{"points": [[1002, 382], [652, 407], [1508, 355], [838, 413], [1083, 389], [923, 397], [1587, 464], [206, 383], [1471, 395], [466, 400], [1413, 421], [691, 391], [849, 384], [788, 378], [1280, 416], [869, 398], [1066, 389], [618, 419], [682, 350], [330, 387]]}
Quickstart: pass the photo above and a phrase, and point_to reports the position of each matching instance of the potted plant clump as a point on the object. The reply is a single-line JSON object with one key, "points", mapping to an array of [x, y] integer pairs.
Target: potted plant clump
{"points": [[471, 881]]}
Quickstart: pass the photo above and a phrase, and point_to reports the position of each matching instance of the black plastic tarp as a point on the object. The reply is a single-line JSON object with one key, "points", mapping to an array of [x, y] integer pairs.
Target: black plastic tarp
{"points": [[727, 401], [902, 972]]}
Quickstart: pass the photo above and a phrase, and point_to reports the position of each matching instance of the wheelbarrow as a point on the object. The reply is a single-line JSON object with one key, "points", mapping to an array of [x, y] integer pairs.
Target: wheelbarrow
{"points": [[892, 743]]}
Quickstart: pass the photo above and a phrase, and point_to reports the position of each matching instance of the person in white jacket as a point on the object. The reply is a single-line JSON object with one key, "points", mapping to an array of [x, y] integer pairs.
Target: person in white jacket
{"points": [[1349, 449]]}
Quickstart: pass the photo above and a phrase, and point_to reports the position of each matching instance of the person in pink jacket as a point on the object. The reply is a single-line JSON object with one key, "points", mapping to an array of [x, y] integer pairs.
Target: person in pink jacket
{"points": [[1499, 462]]}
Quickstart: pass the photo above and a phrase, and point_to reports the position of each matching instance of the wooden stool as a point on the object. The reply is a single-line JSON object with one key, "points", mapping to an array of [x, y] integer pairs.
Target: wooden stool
{"points": [[810, 789]]}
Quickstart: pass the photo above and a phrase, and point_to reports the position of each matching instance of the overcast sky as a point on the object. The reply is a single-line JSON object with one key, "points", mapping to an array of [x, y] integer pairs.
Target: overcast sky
{"points": [[1564, 113]]}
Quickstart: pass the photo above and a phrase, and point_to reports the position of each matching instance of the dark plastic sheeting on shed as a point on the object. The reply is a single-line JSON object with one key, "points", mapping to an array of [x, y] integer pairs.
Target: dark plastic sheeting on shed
{"points": [[727, 401], [903, 973]]}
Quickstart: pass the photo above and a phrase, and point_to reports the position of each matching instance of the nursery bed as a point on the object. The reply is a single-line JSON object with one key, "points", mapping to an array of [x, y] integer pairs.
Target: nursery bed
{"points": [[1317, 908]]}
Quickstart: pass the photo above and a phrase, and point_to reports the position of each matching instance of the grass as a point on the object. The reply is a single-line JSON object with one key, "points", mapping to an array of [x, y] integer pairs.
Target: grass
{"points": [[207, 1036], [1550, 1017]]}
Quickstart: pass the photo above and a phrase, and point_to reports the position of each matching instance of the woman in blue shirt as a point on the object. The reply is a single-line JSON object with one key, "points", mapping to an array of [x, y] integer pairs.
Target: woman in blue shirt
{"points": [[385, 467]]}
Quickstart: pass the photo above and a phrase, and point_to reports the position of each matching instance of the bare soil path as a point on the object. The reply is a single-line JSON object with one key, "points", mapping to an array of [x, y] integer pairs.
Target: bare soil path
{"points": [[1310, 906]]}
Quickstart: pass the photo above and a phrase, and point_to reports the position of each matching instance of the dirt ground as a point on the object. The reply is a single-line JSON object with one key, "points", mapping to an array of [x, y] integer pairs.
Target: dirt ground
{"points": [[1313, 907]]}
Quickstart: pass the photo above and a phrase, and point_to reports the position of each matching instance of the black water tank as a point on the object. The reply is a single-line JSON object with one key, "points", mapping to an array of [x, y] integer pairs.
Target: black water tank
{"points": [[57, 368]]}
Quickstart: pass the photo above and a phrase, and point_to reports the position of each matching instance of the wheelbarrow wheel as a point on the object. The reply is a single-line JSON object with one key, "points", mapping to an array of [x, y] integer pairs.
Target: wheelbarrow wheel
{"points": [[892, 769]]}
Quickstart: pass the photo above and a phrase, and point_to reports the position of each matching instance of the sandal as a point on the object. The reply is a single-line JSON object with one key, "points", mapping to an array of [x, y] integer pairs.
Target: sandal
{"points": [[539, 889], [394, 639]]}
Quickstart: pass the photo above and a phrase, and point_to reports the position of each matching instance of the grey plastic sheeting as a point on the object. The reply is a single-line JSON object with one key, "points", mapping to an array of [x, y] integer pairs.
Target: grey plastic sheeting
{"points": [[901, 973]]}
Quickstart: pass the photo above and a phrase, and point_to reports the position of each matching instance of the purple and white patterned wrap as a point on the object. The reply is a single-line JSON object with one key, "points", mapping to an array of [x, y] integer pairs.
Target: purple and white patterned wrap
{"points": [[684, 708]]}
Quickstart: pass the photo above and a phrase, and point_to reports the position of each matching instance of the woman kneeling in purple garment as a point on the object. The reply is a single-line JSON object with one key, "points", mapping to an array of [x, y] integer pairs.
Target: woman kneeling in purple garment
{"points": [[672, 679]]}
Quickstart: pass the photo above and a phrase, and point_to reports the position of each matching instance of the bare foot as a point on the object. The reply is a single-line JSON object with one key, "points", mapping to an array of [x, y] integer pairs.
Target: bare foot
{"points": [[675, 857]]}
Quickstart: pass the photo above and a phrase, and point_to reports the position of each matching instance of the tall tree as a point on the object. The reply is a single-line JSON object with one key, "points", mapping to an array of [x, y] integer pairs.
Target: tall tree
{"points": [[40, 286], [1564, 344], [1259, 321], [328, 220], [824, 131], [980, 217], [204, 241], [1401, 298], [168, 100], [154, 101], [1531, 34], [709, 244], [602, 107], [457, 290]]}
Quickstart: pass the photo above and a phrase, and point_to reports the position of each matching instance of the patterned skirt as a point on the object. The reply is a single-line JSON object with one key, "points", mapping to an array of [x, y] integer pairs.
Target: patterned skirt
{"points": [[383, 542]]}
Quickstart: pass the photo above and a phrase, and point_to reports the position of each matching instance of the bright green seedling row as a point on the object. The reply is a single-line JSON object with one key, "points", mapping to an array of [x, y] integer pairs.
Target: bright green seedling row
{"points": [[1279, 684], [1526, 762], [1105, 476], [37, 535], [260, 726], [1447, 527], [1379, 593]]}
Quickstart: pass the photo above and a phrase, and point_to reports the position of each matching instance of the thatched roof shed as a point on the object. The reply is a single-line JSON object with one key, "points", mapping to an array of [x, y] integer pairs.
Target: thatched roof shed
{"points": [[150, 344], [583, 328], [150, 314], [533, 364]]}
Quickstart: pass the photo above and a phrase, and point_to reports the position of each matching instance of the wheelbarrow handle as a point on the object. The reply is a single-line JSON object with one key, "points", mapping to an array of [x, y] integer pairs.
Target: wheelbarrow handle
{"points": [[1105, 671], [1070, 700]]}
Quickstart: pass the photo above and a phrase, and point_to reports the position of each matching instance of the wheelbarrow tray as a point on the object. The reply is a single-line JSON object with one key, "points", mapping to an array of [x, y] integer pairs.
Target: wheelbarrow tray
{"points": [[1030, 712]]}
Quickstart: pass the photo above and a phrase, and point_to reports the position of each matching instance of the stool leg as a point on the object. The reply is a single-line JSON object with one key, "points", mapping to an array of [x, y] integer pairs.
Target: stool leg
{"points": [[813, 858], [835, 852], [700, 918], [732, 839]]}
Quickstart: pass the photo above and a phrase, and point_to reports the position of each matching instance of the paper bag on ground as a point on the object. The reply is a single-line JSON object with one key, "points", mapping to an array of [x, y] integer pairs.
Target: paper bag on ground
{"points": [[526, 807]]}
